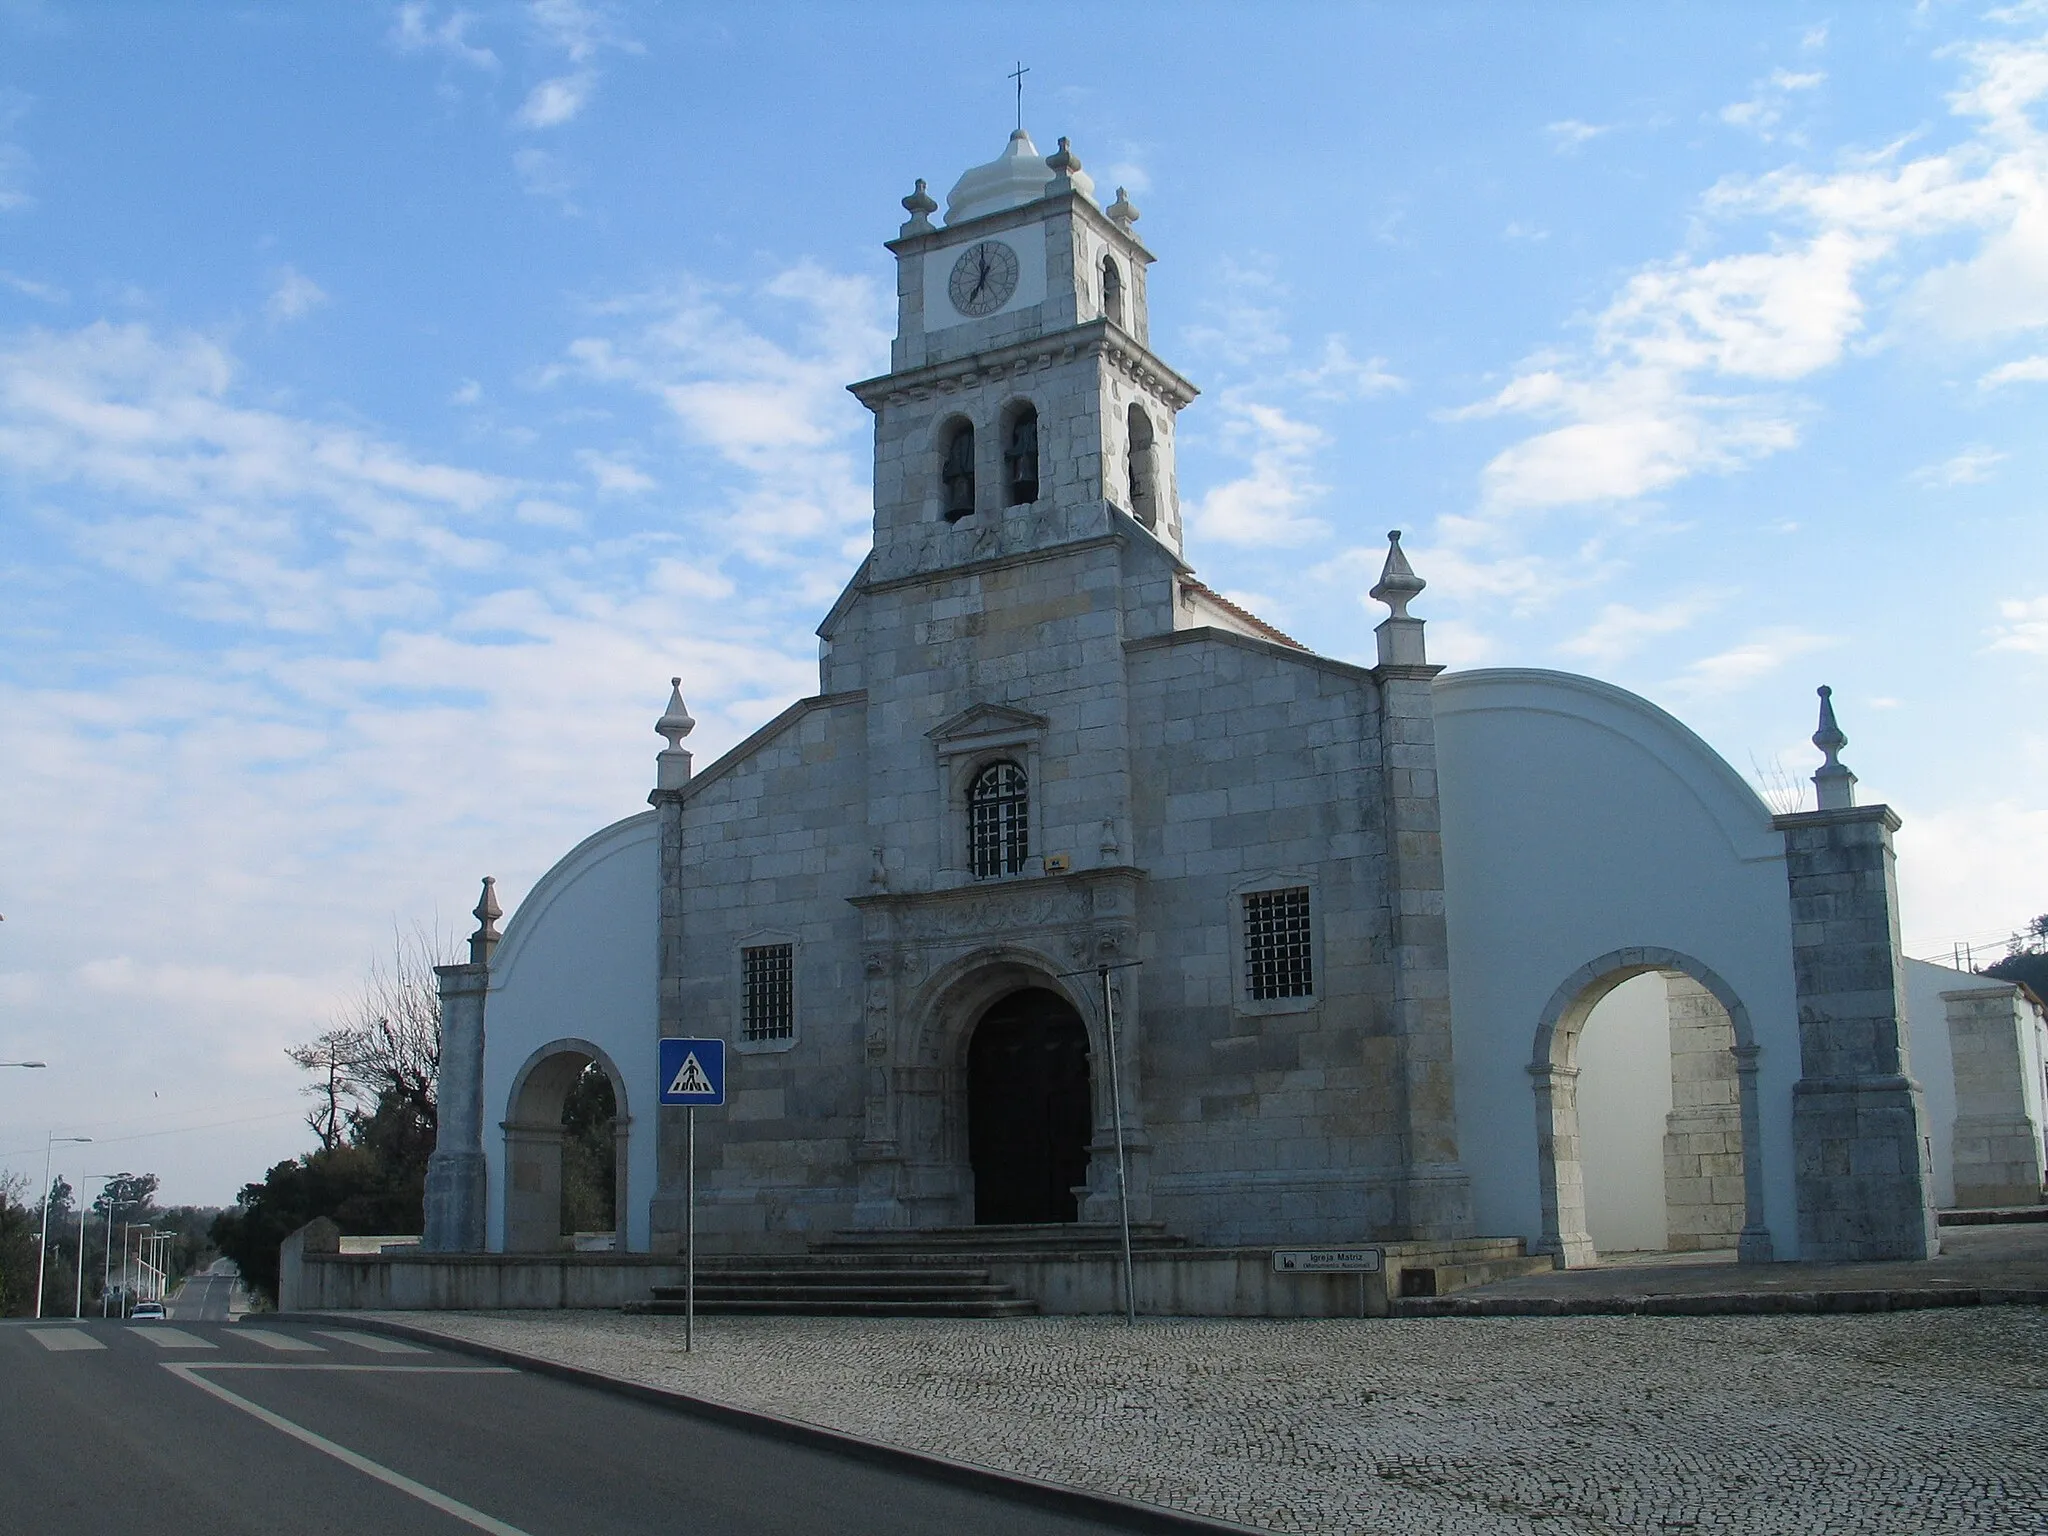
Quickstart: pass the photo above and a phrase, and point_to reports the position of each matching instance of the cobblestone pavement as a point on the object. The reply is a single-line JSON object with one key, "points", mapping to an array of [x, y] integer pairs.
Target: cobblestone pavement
{"points": [[1900, 1422]]}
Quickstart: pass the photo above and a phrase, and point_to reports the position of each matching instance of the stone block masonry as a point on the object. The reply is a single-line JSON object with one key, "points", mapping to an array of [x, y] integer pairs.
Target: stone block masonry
{"points": [[1862, 1176]]}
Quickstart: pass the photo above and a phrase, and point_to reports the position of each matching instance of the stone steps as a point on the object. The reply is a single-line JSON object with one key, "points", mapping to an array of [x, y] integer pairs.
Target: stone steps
{"points": [[804, 1286], [1033, 1237]]}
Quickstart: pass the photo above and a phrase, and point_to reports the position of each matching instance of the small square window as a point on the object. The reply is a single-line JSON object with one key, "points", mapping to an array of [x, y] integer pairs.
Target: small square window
{"points": [[1277, 959], [769, 1011]]}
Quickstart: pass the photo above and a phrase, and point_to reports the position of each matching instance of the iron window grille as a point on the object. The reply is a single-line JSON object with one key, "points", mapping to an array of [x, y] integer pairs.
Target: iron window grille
{"points": [[1277, 958], [770, 1004], [998, 832]]}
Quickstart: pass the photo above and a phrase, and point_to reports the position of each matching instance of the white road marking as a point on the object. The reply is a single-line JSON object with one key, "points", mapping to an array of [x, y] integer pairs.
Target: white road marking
{"points": [[172, 1338], [381, 1345], [341, 1453], [64, 1338], [283, 1342]]}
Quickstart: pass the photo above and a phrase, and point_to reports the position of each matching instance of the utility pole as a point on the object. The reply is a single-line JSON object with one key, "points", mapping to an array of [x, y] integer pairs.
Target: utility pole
{"points": [[43, 1242]]}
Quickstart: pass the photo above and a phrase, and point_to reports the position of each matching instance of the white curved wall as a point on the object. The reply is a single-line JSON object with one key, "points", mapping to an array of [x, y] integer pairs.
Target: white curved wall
{"points": [[581, 958], [1580, 819]]}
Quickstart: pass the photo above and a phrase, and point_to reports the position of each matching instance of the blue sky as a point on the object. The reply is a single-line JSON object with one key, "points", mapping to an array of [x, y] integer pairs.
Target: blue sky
{"points": [[393, 397]]}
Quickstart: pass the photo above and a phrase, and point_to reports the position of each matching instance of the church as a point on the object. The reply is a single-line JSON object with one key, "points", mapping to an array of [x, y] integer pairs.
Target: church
{"points": [[1074, 878]]}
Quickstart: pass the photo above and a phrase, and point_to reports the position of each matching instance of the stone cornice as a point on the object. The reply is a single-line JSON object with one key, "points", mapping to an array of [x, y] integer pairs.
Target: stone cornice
{"points": [[1210, 634], [1389, 671], [1847, 816], [1024, 213], [1076, 880], [993, 563], [1102, 339]]}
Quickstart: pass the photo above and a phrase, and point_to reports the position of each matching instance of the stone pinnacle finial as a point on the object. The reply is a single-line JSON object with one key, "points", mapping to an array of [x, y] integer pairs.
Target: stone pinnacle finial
{"points": [[1064, 161], [1398, 584], [1123, 210], [672, 764], [675, 722], [1834, 786], [921, 208], [487, 912]]}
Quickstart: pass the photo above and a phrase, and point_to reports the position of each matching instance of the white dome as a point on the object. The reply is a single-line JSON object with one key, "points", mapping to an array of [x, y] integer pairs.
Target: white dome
{"points": [[1015, 177]]}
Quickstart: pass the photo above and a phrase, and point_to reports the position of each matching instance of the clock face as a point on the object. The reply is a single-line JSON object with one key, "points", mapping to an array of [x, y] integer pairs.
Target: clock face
{"points": [[983, 278]]}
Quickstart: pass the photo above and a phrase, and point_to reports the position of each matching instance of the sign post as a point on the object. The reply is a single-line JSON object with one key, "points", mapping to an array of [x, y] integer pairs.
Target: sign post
{"points": [[1326, 1261], [693, 1077]]}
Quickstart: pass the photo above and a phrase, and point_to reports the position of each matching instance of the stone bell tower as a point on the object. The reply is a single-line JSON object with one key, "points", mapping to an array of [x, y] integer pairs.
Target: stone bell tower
{"points": [[1023, 397]]}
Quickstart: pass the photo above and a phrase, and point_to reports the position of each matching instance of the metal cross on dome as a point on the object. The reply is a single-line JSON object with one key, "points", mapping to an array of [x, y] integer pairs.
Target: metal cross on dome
{"points": [[1018, 75]]}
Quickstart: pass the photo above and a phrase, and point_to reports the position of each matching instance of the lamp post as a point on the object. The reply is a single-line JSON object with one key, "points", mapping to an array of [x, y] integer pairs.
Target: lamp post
{"points": [[24, 1063], [78, 1294], [43, 1242]]}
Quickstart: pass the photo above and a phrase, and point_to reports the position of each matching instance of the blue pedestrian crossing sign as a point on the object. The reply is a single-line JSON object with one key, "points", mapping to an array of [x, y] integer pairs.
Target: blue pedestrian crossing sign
{"points": [[693, 1072]]}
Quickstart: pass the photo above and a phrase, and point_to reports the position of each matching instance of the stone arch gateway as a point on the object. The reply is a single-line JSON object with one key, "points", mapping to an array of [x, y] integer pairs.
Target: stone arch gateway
{"points": [[1553, 1070]]}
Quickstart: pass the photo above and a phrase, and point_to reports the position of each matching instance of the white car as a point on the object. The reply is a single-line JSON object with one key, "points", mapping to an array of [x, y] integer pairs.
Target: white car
{"points": [[147, 1312]]}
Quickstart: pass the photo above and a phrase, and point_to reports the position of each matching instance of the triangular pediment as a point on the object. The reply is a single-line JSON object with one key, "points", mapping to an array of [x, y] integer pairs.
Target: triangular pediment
{"points": [[981, 720]]}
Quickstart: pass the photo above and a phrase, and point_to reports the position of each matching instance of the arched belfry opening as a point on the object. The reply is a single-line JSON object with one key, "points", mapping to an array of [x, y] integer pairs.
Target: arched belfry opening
{"points": [[1020, 455], [1112, 290], [1028, 1109], [1142, 468], [956, 471], [565, 1152]]}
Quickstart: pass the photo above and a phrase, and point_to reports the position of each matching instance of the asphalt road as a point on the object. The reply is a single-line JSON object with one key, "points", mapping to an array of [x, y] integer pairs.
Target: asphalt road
{"points": [[286, 1428], [204, 1297]]}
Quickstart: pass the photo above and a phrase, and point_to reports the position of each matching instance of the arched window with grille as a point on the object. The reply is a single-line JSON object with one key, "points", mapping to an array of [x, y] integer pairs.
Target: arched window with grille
{"points": [[998, 820], [956, 472]]}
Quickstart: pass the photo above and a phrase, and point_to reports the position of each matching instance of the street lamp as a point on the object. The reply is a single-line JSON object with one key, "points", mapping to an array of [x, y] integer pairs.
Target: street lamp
{"points": [[78, 1296], [43, 1243], [24, 1063]]}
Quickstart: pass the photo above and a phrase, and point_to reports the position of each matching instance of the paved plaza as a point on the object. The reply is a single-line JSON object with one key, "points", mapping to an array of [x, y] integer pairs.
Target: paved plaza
{"points": [[1907, 1422]]}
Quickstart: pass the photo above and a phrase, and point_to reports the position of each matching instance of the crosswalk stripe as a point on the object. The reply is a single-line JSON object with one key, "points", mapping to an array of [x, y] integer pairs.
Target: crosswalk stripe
{"points": [[173, 1338], [382, 1346], [278, 1341], [64, 1338]]}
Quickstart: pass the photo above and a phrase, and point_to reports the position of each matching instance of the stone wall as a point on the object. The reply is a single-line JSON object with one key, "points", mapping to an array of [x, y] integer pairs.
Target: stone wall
{"points": [[1703, 1184], [1998, 1151]]}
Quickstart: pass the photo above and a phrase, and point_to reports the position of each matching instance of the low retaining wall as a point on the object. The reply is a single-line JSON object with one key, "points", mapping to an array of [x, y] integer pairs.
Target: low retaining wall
{"points": [[316, 1276]]}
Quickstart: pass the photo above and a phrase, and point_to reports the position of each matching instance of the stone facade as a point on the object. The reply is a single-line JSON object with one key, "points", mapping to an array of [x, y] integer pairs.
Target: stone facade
{"points": [[1236, 850], [1998, 1151]]}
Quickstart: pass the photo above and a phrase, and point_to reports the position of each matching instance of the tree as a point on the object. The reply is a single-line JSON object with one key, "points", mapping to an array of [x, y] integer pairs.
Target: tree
{"points": [[589, 1153], [2026, 959], [374, 1077], [18, 1225]]}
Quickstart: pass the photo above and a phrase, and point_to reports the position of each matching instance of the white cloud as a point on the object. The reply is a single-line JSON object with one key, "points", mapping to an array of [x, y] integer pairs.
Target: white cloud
{"points": [[1267, 504], [557, 101], [541, 513], [1762, 113], [1972, 466], [249, 515], [468, 392], [1621, 630], [1740, 665], [1570, 135], [2025, 370], [2023, 626], [47, 293], [613, 474], [1530, 233], [1668, 386], [542, 174], [293, 295], [414, 30], [1337, 375]]}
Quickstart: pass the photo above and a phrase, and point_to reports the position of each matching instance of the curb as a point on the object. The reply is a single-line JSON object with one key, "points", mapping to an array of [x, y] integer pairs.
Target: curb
{"points": [[1719, 1304], [1128, 1514]]}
